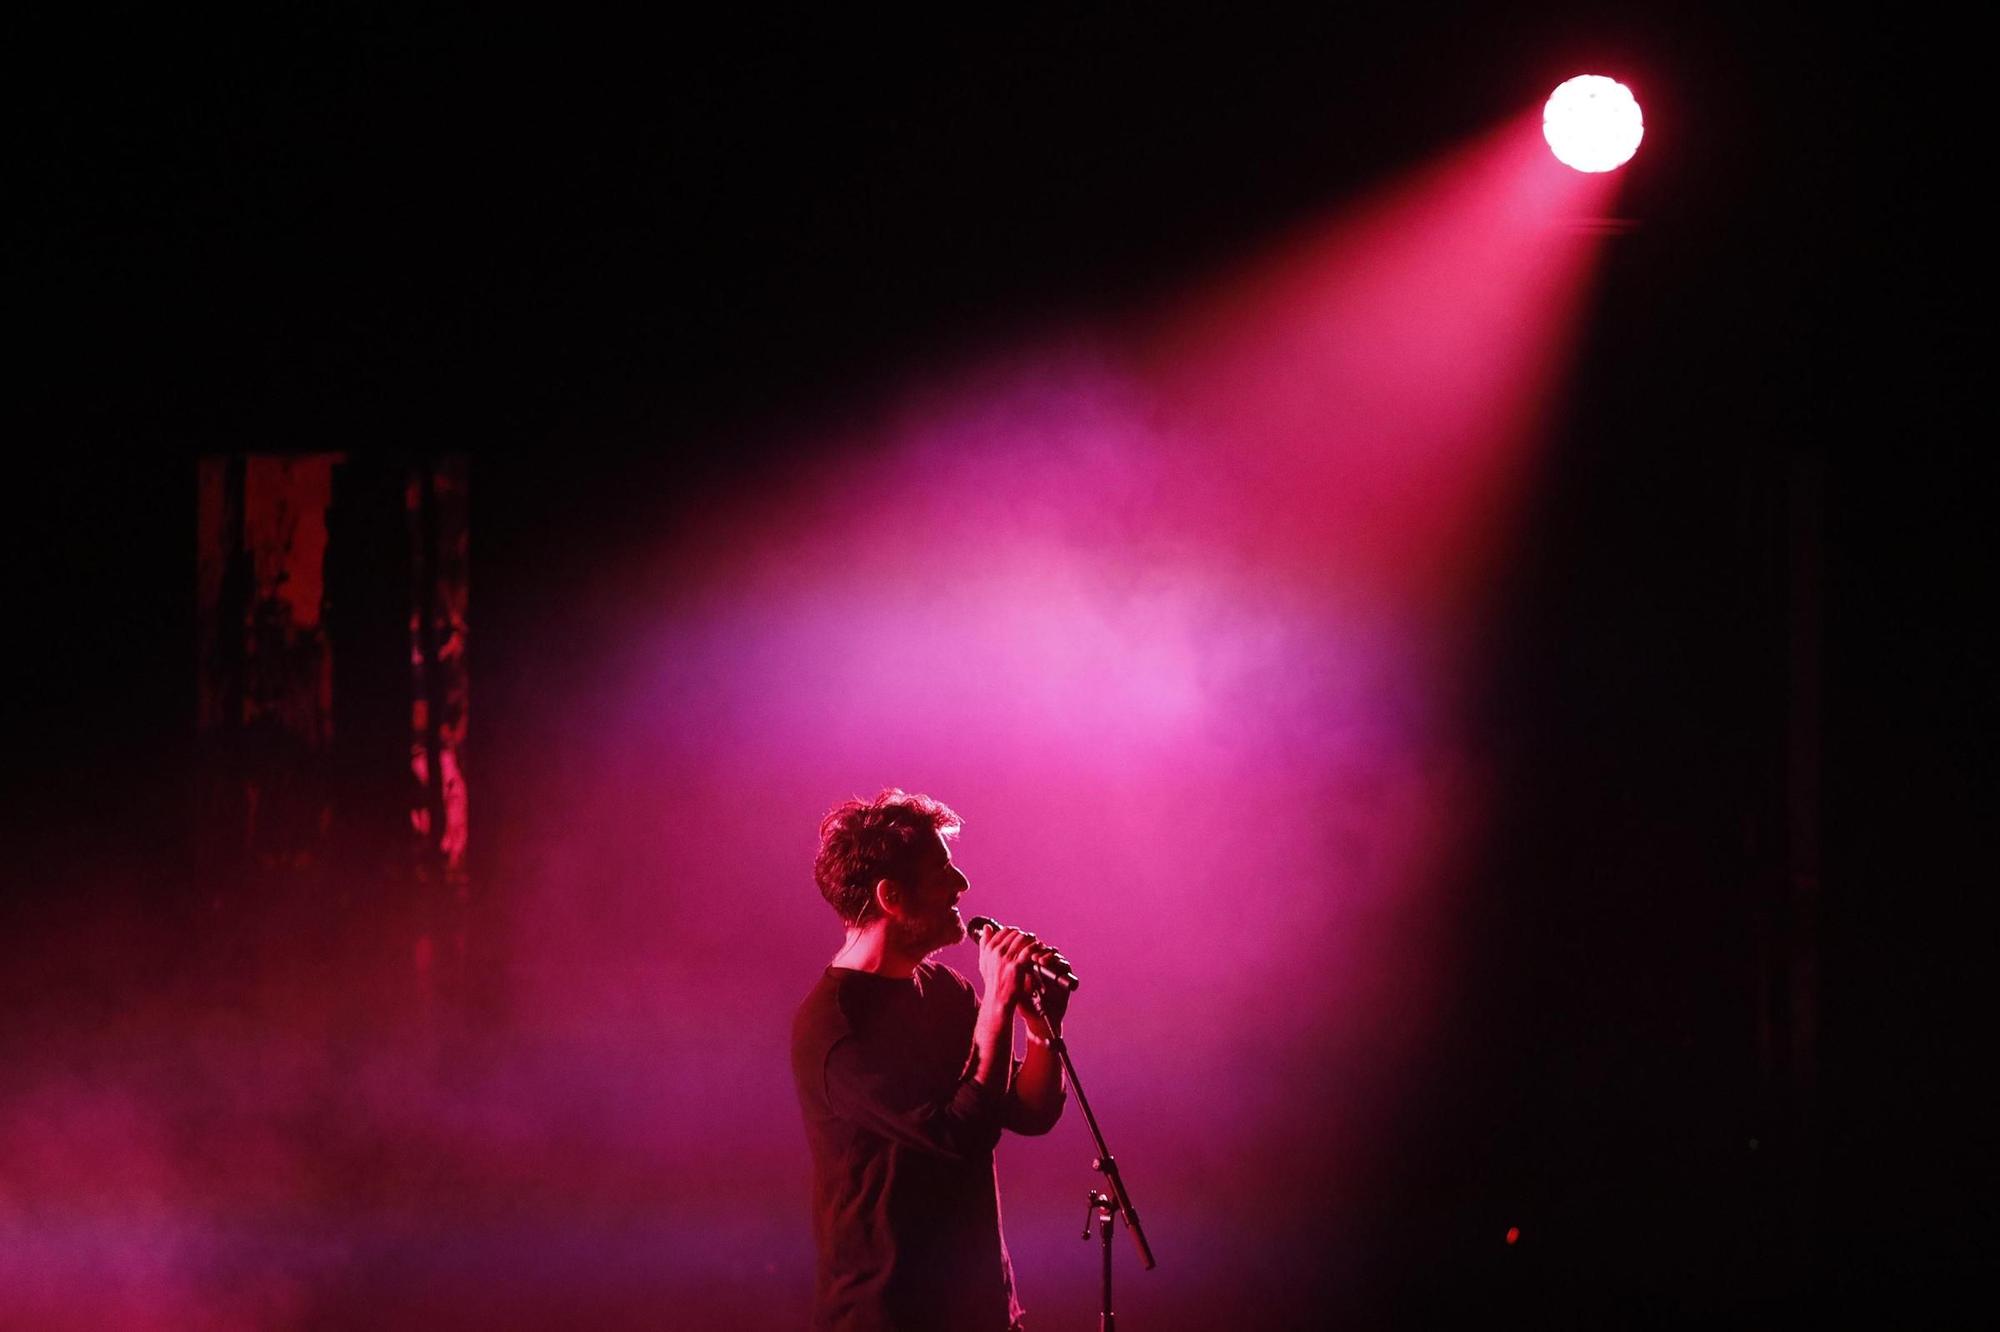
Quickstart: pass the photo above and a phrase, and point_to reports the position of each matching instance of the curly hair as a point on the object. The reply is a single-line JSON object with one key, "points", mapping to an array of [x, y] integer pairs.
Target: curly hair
{"points": [[862, 841]]}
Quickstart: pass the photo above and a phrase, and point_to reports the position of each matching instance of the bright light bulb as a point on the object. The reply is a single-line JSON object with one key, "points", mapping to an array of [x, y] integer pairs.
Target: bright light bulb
{"points": [[1593, 123]]}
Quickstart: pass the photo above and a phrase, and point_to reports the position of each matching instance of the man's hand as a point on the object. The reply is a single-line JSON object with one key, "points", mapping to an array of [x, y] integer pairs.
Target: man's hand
{"points": [[1038, 1087], [1004, 957], [1002, 953], [1007, 958], [1048, 1003]]}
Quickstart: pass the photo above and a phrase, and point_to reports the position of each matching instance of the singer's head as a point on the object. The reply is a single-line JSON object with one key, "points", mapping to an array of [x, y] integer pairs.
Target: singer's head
{"points": [[886, 864]]}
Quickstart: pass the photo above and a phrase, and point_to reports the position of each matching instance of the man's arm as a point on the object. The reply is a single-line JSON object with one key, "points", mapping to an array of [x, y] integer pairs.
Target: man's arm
{"points": [[993, 1044], [1038, 1093]]}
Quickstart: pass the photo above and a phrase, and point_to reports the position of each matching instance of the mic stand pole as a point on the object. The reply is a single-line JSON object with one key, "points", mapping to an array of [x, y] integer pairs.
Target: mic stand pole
{"points": [[1116, 1199]]}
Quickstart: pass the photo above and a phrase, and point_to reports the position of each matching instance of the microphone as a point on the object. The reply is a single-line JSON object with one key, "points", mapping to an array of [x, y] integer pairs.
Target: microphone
{"points": [[1054, 968]]}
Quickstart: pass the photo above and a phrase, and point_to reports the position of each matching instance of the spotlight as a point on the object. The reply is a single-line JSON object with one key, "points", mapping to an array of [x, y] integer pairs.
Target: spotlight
{"points": [[1592, 123]]}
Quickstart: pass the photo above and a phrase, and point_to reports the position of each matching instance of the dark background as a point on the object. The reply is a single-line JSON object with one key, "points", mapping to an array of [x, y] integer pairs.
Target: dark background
{"points": [[613, 266]]}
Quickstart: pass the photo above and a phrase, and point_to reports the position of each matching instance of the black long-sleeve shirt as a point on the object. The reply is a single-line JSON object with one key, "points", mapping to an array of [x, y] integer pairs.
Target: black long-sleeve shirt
{"points": [[906, 1207]]}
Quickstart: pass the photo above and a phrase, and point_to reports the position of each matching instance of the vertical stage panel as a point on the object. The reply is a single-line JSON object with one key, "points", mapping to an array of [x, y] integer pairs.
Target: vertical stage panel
{"points": [[332, 802], [266, 670], [435, 507]]}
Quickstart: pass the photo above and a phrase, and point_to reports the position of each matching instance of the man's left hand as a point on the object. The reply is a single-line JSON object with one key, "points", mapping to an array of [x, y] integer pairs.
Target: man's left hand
{"points": [[1044, 1016]]}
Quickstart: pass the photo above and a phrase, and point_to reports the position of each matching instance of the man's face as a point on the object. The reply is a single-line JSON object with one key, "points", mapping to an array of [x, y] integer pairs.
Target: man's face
{"points": [[929, 918]]}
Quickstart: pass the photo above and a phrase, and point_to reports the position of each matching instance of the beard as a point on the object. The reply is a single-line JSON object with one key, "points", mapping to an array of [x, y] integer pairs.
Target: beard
{"points": [[921, 938]]}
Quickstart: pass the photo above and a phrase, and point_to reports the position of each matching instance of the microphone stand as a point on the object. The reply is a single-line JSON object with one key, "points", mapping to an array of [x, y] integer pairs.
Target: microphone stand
{"points": [[1117, 1199]]}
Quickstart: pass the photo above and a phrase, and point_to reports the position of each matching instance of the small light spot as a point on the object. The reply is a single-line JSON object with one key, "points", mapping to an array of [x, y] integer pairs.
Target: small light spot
{"points": [[1593, 123], [1513, 1234]]}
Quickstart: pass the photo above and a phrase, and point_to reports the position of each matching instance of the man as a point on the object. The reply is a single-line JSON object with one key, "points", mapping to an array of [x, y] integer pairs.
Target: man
{"points": [[906, 1080]]}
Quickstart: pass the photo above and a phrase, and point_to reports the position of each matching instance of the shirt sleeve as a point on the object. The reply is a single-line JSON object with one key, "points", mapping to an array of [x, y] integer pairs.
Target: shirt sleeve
{"points": [[958, 1122]]}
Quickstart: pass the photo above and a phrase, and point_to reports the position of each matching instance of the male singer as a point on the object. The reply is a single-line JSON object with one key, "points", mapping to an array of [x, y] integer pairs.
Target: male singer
{"points": [[906, 1079]]}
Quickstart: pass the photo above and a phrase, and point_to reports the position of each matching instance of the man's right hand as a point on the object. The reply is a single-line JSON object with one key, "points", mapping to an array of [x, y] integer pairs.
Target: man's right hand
{"points": [[1004, 955]]}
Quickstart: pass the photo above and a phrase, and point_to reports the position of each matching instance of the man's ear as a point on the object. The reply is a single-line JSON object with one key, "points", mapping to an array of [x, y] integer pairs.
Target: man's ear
{"points": [[889, 896]]}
